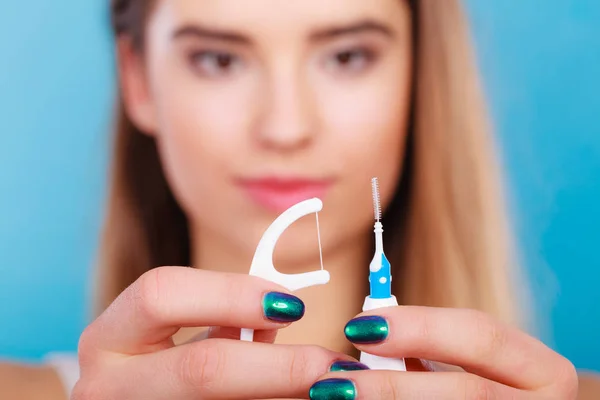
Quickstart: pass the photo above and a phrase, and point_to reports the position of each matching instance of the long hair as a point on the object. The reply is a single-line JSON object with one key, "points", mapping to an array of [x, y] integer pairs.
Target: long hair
{"points": [[447, 229]]}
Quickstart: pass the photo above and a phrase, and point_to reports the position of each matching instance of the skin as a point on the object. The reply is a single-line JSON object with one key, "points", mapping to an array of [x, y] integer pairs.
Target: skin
{"points": [[293, 83], [213, 131], [280, 109]]}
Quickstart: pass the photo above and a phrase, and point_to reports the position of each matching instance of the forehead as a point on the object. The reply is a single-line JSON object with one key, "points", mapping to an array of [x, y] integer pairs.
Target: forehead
{"points": [[275, 16]]}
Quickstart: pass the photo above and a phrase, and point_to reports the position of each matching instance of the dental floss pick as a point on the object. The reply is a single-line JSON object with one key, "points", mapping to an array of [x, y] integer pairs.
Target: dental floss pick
{"points": [[380, 282], [262, 263]]}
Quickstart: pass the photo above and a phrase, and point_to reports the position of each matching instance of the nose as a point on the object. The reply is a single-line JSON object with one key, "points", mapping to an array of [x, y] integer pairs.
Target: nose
{"points": [[287, 120]]}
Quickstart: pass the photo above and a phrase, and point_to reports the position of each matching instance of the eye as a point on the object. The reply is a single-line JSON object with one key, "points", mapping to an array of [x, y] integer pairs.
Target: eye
{"points": [[214, 63], [351, 60]]}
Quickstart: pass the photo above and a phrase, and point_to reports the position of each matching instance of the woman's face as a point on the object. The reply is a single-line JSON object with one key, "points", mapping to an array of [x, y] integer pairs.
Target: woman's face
{"points": [[257, 105]]}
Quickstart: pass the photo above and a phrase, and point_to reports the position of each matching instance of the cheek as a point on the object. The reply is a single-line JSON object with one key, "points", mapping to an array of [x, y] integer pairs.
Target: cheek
{"points": [[371, 123], [210, 115], [198, 135], [370, 129]]}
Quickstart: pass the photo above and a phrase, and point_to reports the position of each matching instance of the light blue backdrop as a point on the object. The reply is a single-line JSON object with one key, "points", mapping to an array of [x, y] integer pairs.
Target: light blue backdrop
{"points": [[540, 61]]}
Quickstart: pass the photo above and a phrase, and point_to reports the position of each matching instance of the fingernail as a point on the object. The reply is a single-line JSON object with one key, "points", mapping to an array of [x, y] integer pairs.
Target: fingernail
{"points": [[343, 366], [367, 330], [333, 389], [282, 307]]}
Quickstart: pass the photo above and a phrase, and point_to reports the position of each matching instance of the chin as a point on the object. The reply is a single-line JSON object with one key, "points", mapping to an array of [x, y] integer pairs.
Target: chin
{"points": [[297, 250]]}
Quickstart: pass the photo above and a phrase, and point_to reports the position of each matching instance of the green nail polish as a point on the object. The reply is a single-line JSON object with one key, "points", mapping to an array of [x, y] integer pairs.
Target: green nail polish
{"points": [[344, 366], [367, 330], [282, 307], [333, 389]]}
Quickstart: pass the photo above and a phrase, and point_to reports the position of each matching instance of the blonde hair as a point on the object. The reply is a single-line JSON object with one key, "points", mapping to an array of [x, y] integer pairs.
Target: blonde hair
{"points": [[451, 244], [458, 249]]}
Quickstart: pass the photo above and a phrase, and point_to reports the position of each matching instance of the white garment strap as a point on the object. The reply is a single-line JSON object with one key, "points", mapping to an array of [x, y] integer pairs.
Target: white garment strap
{"points": [[67, 368]]}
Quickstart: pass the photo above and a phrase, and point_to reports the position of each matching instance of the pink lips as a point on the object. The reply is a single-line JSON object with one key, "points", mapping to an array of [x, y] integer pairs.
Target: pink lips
{"points": [[279, 194]]}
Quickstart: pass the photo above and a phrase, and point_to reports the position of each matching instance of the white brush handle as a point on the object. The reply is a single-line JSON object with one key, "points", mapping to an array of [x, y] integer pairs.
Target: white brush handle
{"points": [[376, 362], [382, 363], [247, 335]]}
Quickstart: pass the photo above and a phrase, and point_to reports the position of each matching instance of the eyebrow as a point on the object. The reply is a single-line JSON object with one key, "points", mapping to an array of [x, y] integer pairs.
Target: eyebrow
{"points": [[211, 33], [355, 28], [318, 35]]}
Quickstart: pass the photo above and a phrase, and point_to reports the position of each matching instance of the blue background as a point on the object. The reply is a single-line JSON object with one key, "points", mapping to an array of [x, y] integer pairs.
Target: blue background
{"points": [[540, 62]]}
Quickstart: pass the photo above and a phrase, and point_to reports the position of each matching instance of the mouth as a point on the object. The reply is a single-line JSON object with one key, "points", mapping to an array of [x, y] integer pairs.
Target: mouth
{"points": [[278, 194]]}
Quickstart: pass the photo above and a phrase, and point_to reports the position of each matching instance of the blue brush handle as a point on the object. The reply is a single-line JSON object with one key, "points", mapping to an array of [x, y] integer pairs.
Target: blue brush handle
{"points": [[380, 280]]}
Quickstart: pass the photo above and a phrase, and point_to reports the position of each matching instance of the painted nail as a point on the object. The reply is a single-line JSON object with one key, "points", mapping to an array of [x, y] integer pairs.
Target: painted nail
{"points": [[333, 389], [282, 307], [367, 330], [343, 366]]}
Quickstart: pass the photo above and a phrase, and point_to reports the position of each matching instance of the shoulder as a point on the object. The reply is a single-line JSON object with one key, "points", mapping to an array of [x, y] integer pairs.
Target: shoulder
{"points": [[28, 382], [589, 386]]}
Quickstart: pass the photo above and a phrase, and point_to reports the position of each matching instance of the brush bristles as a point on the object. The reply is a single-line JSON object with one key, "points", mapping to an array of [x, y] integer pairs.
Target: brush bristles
{"points": [[376, 201]]}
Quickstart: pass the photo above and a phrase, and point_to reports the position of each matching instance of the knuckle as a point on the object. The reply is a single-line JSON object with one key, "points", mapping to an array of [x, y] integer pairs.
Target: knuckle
{"points": [[86, 350], [389, 389], [298, 365], [567, 380], [478, 389], [491, 337], [233, 295], [85, 390], [84, 344], [148, 294], [202, 366], [423, 328], [304, 365]]}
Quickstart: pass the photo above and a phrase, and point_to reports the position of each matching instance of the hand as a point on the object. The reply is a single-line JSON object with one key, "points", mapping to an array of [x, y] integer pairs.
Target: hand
{"points": [[497, 361], [128, 352]]}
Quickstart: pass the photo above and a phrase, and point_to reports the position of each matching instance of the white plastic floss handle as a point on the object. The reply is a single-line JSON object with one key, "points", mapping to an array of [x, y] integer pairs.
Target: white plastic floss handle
{"points": [[376, 362], [262, 263]]}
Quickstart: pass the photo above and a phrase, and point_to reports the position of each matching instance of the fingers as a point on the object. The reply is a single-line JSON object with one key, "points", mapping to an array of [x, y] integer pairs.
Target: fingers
{"points": [[390, 385], [218, 369], [151, 310], [465, 338]]}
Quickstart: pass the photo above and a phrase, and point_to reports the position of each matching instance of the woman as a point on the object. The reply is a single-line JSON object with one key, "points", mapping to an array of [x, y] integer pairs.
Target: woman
{"points": [[232, 111]]}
